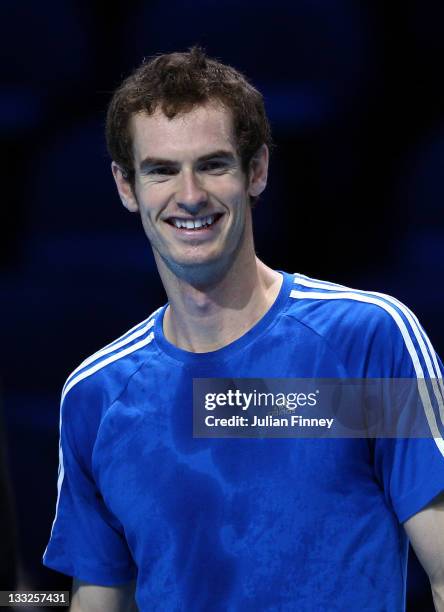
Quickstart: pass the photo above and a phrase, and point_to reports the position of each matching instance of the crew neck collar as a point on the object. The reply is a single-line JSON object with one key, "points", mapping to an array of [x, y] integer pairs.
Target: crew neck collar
{"points": [[236, 345]]}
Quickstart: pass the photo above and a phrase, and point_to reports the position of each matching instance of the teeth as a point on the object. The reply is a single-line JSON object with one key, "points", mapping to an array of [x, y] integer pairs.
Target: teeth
{"points": [[190, 224]]}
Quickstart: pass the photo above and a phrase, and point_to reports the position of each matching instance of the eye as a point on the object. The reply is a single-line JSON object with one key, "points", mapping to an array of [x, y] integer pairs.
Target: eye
{"points": [[162, 171], [213, 165]]}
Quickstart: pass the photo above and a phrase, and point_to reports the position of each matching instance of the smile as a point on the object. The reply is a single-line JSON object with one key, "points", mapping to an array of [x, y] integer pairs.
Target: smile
{"points": [[194, 224]]}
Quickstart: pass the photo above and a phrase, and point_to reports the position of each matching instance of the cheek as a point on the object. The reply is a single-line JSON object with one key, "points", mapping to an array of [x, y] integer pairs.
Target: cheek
{"points": [[226, 186], [147, 216], [236, 200], [151, 197], [149, 208]]}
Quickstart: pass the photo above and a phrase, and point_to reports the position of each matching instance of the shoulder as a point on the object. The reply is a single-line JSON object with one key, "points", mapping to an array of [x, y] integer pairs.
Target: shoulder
{"points": [[369, 322], [332, 304], [100, 378]]}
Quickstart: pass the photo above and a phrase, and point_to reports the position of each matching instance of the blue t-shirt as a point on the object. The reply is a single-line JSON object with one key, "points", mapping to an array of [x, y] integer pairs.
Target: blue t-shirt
{"points": [[245, 524]]}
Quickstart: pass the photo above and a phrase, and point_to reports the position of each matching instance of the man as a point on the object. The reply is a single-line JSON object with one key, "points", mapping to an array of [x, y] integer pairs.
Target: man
{"points": [[232, 524]]}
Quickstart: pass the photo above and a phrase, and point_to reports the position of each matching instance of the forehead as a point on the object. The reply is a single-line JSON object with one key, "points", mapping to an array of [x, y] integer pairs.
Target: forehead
{"points": [[198, 132]]}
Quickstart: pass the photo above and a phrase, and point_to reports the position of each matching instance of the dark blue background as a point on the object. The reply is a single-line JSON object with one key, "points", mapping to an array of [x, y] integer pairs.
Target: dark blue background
{"points": [[354, 94]]}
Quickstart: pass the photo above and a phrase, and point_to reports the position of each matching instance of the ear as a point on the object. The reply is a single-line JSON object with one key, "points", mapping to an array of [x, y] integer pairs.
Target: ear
{"points": [[124, 188], [258, 171]]}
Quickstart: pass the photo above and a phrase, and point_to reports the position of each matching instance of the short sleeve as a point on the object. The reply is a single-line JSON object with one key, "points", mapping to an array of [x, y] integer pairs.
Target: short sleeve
{"points": [[411, 470], [87, 541]]}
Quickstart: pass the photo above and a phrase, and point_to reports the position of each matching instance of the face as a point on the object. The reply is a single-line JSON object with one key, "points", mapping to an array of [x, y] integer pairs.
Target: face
{"points": [[190, 189]]}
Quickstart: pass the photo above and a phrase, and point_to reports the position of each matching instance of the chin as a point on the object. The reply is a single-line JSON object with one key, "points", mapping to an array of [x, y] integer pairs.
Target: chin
{"points": [[199, 272]]}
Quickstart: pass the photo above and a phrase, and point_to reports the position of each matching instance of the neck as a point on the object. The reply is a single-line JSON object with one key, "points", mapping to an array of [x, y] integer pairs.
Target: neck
{"points": [[205, 317]]}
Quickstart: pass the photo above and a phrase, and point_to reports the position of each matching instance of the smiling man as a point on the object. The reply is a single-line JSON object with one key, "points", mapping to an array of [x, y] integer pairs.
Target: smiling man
{"points": [[193, 193], [148, 513]]}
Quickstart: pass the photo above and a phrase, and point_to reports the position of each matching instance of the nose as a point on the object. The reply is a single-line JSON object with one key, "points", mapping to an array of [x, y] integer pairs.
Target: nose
{"points": [[190, 195]]}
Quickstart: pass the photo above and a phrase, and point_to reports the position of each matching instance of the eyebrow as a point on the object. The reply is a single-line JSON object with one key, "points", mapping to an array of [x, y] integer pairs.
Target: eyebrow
{"points": [[150, 162]]}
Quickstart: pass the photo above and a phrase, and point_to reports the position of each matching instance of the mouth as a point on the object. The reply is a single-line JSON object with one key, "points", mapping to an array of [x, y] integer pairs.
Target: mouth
{"points": [[194, 225]]}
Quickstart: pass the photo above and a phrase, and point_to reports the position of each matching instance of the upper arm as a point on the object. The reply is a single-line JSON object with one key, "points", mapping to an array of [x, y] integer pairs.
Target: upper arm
{"points": [[94, 598], [425, 530], [87, 538]]}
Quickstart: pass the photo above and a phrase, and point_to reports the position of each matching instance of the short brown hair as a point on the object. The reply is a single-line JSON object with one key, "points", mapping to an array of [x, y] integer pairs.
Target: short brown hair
{"points": [[176, 83]]}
